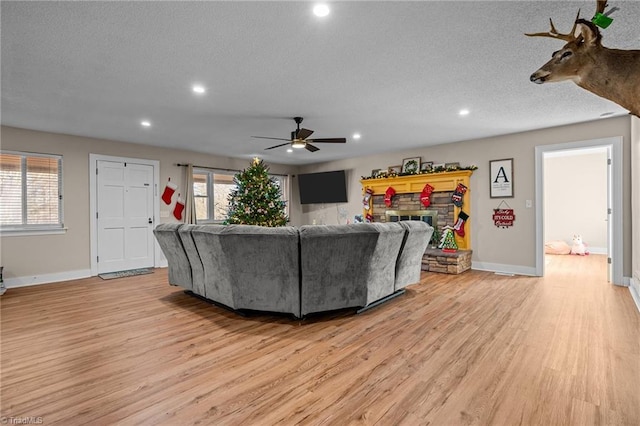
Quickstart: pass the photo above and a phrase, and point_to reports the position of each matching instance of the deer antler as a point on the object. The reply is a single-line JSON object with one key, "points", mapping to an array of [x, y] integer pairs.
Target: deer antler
{"points": [[569, 37], [600, 6]]}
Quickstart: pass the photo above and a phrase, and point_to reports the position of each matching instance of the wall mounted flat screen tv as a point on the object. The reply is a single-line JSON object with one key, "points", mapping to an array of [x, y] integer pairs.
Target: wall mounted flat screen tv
{"points": [[325, 187]]}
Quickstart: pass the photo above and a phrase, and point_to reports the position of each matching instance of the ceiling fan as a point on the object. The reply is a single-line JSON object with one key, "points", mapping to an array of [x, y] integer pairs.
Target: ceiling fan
{"points": [[299, 139]]}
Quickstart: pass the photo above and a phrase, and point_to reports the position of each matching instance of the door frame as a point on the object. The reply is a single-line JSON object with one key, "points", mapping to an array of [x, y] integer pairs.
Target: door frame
{"points": [[93, 200], [614, 145]]}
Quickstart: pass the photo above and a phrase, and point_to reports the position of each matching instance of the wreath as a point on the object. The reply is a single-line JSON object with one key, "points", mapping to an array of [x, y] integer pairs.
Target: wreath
{"points": [[411, 166]]}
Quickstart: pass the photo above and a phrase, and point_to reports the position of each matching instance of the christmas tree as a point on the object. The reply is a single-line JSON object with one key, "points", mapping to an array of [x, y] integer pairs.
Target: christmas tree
{"points": [[448, 240], [256, 199]]}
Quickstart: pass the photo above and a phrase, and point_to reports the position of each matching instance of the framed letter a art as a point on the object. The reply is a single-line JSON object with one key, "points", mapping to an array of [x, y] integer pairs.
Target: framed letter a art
{"points": [[501, 178]]}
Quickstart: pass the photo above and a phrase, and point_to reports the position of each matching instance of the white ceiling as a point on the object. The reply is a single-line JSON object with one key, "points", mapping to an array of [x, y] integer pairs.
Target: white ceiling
{"points": [[396, 72]]}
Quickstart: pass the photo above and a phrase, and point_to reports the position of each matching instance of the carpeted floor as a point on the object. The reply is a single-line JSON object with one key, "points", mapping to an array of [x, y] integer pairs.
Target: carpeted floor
{"points": [[122, 274]]}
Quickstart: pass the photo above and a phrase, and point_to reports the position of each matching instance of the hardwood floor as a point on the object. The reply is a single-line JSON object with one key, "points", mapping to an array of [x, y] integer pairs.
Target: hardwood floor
{"points": [[477, 348]]}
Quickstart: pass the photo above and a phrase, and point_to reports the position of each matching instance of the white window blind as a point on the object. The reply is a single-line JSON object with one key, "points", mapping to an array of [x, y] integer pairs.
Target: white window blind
{"points": [[30, 191]]}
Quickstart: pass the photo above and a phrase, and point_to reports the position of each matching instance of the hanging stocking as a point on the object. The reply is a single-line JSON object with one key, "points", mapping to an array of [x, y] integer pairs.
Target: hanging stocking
{"points": [[369, 218], [459, 192], [367, 196], [459, 226], [425, 195], [388, 195], [179, 208], [169, 190]]}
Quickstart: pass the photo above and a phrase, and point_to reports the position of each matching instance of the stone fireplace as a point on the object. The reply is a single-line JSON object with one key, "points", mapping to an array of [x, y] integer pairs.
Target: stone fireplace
{"points": [[406, 205]]}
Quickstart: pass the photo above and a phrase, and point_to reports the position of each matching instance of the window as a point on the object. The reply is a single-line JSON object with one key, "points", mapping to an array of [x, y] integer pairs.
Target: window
{"points": [[211, 189], [31, 191]]}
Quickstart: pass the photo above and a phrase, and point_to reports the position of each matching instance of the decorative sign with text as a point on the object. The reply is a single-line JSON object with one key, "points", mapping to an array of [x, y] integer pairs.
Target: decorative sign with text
{"points": [[503, 217]]}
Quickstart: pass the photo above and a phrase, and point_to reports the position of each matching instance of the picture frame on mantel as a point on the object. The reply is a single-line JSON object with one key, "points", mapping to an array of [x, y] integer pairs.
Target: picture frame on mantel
{"points": [[411, 165], [501, 178]]}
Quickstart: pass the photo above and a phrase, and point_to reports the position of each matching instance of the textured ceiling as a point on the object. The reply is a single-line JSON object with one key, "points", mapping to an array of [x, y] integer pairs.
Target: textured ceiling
{"points": [[396, 72]]}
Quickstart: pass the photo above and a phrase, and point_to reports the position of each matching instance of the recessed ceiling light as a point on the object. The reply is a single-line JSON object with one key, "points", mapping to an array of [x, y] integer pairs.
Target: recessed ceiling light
{"points": [[356, 135], [198, 88], [321, 10], [289, 150], [464, 112], [145, 123]]}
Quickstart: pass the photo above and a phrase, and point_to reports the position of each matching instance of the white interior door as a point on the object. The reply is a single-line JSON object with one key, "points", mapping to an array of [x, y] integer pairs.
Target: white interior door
{"points": [[124, 216]]}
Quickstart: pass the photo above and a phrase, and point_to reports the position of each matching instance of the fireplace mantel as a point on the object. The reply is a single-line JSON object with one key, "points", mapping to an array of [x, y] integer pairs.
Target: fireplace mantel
{"points": [[441, 182]]}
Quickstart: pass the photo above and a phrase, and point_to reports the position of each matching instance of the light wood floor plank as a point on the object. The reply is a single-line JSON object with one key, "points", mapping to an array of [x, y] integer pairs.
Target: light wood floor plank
{"points": [[473, 349]]}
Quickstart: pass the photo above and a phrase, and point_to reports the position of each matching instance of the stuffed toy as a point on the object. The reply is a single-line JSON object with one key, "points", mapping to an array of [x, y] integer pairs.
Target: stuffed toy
{"points": [[578, 246]]}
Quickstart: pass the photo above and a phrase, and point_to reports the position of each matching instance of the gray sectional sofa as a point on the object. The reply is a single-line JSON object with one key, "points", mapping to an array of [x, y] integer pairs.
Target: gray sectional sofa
{"points": [[292, 270]]}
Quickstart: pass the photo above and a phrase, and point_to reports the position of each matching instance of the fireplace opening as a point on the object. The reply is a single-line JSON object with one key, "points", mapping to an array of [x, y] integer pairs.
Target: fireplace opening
{"points": [[428, 216]]}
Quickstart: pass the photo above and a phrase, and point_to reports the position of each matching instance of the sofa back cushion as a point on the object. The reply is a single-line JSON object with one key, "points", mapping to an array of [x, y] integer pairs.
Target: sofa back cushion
{"points": [[417, 237], [179, 267], [197, 270], [334, 264], [255, 267]]}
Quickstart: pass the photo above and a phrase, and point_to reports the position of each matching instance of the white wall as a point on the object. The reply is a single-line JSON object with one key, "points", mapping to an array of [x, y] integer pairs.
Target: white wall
{"points": [[575, 197], [508, 250]]}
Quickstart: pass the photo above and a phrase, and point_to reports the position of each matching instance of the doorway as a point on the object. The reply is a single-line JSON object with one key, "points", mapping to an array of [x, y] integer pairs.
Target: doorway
{"points": [[124, 208], [607, 221]]}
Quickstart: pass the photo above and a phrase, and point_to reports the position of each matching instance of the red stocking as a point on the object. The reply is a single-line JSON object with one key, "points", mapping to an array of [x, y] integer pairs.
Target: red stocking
{"points": [[169, 190], [459, 226], [179, 208], [425, 195], [387, 196], [367, 196]]}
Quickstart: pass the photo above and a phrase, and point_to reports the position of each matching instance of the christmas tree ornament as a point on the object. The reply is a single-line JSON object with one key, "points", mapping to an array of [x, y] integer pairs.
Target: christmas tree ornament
{"points": [[388, 195], [448, 240], [367, 197], [169, 190], [178, 208], [459, 226], [425, 195], [459, 192]]}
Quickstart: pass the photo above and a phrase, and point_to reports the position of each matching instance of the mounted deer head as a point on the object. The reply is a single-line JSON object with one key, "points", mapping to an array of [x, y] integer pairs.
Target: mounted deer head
{"points": [[610, 73]]}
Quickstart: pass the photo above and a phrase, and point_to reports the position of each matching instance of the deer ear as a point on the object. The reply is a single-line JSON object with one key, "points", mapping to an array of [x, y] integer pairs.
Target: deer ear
{"points": [[589, 32]]}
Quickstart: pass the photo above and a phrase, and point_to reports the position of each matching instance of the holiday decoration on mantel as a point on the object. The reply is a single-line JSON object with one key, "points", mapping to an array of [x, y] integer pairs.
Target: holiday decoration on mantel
{"points": [[459, 226], [256, 199], [448, 240], [425, 195], [503, 217], [169, 190], [388, 195], [367, 198], [386, 174], [458, 193]]}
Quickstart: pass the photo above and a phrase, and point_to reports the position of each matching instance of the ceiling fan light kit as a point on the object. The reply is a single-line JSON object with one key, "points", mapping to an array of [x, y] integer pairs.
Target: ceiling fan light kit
{"points": [[299, 139]]}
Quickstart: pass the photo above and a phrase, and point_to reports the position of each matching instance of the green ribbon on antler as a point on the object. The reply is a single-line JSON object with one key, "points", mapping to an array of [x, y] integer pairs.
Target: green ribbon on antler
{"points": [[602, 19]]}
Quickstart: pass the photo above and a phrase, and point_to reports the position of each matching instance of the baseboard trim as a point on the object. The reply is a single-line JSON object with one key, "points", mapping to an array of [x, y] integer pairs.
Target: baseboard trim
{"points": [[46, 278], [504, 269], [634, 288]]}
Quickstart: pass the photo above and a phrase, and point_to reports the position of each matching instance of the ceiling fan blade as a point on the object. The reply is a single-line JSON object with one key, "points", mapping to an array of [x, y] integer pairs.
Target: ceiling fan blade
{"points": [[304, 133], [329, 140], [275, 139], [311, 148], [278, 146]]}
